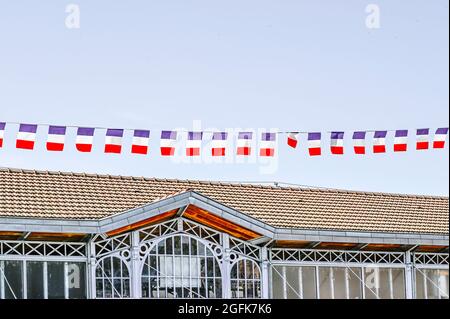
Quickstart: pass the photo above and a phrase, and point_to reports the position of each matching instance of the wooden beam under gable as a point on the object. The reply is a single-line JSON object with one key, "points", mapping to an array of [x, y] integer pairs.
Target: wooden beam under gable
{"points": [[208, 219]]}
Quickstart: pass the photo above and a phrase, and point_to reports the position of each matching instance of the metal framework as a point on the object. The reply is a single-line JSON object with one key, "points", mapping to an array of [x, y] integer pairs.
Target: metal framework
{"points": [[335, 256], [367, 267], [180, 258], [42, 249]]}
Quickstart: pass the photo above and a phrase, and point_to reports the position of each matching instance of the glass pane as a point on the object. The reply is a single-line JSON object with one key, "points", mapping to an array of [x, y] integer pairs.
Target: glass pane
{"points": [[443, 283], [177, 243], [339, 282], [354, 283], [194, 251], [325, 282], [420, 288], [169, 247], [55, 280], [385, 289], [436, 282], [398, 283], [106, 270], [76, 280], [99, 288], [145, 287], [14, 279], [35, 280], [309, 282], [277, 282], [292, 284], [371, 282]]}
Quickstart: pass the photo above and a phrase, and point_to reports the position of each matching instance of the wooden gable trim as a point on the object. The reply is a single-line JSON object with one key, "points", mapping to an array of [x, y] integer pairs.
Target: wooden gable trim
{"points": [[152, 220], [208, 219]]}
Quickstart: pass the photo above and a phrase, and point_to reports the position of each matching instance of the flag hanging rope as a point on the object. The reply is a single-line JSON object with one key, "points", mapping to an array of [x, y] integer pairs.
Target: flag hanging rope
{"points": [[245, 141]]}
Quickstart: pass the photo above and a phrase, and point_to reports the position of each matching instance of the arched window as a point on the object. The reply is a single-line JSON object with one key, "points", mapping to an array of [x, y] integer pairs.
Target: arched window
{"points": [[112, 278], [245, 279], [181, 266]]}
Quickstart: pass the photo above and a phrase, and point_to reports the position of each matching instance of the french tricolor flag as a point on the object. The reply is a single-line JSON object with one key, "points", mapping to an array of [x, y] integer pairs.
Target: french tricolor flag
{"points": [[168, 140], [194, 143], [2, 133], [244, 141], [314, 141], [292, 139], [55, 138], [26, 136], [113, 141], [267, 144], [359, 142], [139, 144], [379, 142], [337, 143], [439, 137], [422, 142], [84, 139], [219, 143], [401, 141]]}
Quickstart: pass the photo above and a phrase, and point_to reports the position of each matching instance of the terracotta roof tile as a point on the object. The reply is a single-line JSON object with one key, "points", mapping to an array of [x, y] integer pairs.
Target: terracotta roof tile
{"points": [[62, 195]]}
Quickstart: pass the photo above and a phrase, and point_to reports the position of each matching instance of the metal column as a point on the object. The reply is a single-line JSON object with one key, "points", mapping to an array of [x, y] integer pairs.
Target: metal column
{"points": [[409, 276], [226, 267], [264, 273], [135, 266]]}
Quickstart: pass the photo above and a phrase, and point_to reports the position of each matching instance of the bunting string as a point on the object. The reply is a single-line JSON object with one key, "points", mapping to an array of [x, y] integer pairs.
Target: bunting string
{"points": [[425, 138]]}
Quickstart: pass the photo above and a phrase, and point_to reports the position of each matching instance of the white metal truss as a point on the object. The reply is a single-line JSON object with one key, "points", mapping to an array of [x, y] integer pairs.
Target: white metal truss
{"points": [[245, 249], [111, 245], [158, 230], [201, 231], [430, 259], [335, 256], [42, 249]]}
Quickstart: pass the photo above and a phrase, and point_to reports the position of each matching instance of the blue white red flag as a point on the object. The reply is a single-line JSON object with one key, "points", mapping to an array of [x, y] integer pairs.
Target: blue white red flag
{"points": [[55, 138], [26, 136]]}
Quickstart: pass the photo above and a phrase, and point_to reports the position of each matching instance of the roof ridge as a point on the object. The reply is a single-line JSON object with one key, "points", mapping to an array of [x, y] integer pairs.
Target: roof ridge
{"points": [[221, 183]]}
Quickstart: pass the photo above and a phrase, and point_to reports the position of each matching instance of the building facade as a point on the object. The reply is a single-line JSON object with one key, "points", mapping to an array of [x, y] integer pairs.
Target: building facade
{"points": [[68, 235]]}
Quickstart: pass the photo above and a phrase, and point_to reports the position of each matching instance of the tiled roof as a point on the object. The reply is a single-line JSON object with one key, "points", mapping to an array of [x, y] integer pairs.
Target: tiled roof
{"points": [[58, 195]]}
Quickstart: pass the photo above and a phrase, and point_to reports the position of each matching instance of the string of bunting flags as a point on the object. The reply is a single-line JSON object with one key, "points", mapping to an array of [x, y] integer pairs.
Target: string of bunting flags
{"points": [[56, 140]]}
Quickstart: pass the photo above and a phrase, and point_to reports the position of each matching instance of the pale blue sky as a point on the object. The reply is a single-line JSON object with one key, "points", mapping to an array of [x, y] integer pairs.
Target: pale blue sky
{"points": [[307, 65]]}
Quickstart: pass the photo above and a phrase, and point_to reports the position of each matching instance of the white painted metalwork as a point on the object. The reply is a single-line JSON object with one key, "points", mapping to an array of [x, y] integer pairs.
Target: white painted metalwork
{"points": [[114, 244], [112, 277], [244, 248], [335, 256], [132, 265], [245, 279], [42, 249], [430, 259], [73, 284], [181, 266]]}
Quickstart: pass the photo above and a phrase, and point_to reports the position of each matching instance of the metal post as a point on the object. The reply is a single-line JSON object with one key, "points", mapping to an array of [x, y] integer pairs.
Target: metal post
{"points": [[45, 281], [135, 266], [226, 267], [409, 276], [264, 273], [66, 280], [2, 280], [91, 263]]}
